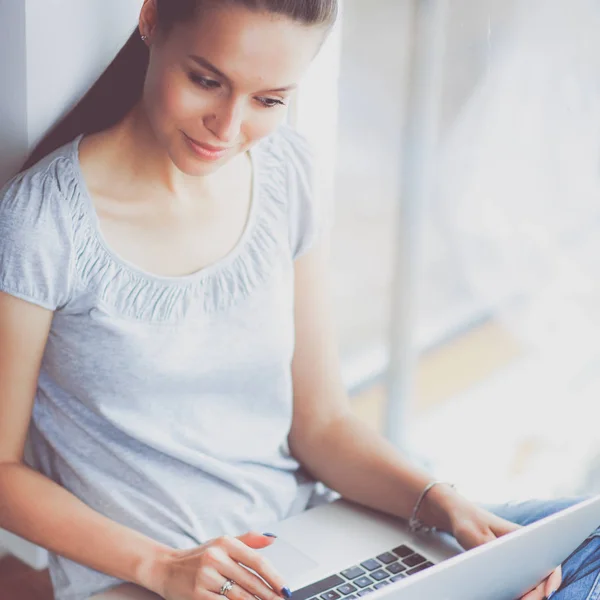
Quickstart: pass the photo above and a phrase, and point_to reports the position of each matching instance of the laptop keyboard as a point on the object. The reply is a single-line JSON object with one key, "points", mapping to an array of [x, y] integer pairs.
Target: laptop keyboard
{"points": [[368, 576]]}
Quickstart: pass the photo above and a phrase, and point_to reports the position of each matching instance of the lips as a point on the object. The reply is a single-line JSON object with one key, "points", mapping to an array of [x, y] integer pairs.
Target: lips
{"points": [[208, 147], [206, 152]]}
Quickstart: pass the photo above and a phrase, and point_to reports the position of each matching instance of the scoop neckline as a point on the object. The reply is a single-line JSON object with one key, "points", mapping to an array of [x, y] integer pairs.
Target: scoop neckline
{"points": [[138, 272]]}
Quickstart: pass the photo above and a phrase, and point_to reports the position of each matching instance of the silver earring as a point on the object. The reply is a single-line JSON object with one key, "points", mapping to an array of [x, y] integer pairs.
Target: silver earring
{"points": [[144, 38]]}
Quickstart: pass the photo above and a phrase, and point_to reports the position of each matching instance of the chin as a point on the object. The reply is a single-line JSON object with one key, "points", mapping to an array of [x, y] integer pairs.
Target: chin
{"points": [[196, 167]]}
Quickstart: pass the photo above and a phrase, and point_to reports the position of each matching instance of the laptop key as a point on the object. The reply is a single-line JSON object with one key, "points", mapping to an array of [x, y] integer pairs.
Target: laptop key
{"points": [[352, 597], [379, 574], [365, 592], [314, 589], [381, 584], [414, 560], [370, 564], [395, 568], [353, 572], [331, 595], [346, 589], [403, 551], [386, 558], [421, 567], [397, 577], [362, 582]]}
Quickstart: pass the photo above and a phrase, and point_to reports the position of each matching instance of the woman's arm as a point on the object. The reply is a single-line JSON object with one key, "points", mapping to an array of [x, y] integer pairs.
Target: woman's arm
{"points": [[336, 447], [31, 505]]}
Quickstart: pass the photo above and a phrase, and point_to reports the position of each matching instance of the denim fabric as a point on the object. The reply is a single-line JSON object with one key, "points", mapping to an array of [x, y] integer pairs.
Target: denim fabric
{"points": [[581, 571]]}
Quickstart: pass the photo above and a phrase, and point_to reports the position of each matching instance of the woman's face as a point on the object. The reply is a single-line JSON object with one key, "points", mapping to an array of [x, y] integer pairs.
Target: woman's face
{"points": [[217, 85]]}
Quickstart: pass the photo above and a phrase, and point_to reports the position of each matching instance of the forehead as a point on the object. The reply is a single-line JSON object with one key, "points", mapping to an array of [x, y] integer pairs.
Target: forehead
{"points": [[256, 49]]}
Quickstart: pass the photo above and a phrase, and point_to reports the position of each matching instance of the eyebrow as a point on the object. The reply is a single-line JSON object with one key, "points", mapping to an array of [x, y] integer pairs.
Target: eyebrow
{"points": [[210, 67]]}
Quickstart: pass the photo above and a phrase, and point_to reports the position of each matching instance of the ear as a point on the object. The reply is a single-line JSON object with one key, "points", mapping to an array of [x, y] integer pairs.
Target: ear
{"points": [[148, 19]]}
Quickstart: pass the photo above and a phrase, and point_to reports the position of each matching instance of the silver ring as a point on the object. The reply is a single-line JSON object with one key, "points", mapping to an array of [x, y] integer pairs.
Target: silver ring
{"points": [[226, 587]]}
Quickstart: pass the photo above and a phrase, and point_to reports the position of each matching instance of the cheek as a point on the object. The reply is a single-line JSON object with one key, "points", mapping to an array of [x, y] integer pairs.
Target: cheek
{"points": [[181, 102], [263, 123], [172, 101]]}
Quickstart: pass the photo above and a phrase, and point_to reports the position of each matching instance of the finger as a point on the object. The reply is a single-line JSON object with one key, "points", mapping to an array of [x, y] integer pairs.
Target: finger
{"points": [[237, 592], [251, 582], [484, 537], [257, 540], [248, 557], [535, 594], [553, 582], [502, 527], [471, 537]]}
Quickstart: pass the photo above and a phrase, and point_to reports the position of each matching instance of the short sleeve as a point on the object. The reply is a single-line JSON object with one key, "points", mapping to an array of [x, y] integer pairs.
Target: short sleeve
{"points": [[307, 218], [35, 240]]}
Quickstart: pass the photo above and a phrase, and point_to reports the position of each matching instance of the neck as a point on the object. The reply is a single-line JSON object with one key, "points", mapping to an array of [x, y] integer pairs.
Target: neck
{"points": [[138, 148]]}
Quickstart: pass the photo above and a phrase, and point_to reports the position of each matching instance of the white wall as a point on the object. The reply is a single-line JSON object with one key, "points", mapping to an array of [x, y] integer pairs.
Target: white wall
{"points": [[69, 44], [57, 49], [13, 113]]}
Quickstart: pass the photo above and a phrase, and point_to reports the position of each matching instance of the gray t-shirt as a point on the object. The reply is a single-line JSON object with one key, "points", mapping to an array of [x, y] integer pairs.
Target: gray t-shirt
{"points": [[163, 403]]}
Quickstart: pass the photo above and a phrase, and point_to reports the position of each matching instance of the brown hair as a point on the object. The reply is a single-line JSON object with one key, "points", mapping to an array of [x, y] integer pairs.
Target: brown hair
{"points": [[309, 12], [120, 87]]}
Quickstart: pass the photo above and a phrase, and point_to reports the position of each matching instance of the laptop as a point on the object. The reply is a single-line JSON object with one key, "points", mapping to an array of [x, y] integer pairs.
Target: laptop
{"points": [[343, 551]]}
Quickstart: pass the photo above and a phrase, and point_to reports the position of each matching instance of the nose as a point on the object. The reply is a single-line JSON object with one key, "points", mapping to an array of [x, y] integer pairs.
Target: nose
{"points": [[226, 122]]}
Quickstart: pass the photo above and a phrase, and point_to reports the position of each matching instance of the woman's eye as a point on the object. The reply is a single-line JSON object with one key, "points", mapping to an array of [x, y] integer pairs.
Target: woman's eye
{"points": [[205, 82], [271, 102]]}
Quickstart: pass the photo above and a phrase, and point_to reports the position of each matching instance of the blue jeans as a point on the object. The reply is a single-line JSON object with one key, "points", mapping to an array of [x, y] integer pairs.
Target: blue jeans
{"points": [[581, 571]]}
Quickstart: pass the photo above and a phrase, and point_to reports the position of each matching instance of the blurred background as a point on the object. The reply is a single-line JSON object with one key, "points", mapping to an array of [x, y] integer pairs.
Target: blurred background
{"points": [[500, 391], [459, 157]]}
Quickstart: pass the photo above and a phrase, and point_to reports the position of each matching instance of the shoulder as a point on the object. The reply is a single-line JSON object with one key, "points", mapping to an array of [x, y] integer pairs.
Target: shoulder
{"points": [[36, 230], [291, 161], [292, 173], [44, 191], [290, 147]]}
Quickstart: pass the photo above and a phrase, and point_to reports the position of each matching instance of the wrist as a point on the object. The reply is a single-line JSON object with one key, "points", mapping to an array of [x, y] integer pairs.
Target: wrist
{"points": [[438, 506], [152, 569]]}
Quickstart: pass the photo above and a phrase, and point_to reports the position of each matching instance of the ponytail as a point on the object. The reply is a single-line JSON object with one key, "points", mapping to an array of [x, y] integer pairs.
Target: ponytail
{"points": [[113, 95]]}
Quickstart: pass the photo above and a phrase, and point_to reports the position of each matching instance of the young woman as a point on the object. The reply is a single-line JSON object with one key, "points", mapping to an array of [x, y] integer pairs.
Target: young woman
{"points": [[165, 331]]}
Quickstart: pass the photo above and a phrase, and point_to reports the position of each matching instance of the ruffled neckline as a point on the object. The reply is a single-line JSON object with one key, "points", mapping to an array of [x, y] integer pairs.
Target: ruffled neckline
{"points": [[138, 294], [138, 271]]}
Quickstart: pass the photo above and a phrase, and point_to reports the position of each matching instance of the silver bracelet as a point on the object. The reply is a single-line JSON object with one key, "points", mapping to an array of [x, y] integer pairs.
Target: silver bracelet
{"points": [[415, 525]]}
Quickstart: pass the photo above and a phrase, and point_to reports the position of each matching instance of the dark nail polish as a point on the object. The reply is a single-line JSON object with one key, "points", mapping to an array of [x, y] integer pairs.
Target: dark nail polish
{"points": [[287, 593], [270, 535]]}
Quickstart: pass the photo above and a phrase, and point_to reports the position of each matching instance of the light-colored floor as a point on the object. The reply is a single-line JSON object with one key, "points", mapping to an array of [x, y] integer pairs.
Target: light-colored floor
{"points": [[501, 421], [443, 426], [447, 371]]}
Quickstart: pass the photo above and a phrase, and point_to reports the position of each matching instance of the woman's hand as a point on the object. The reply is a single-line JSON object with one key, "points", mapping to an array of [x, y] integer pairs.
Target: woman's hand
{"points": [[198, 574], [473, 526]]}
